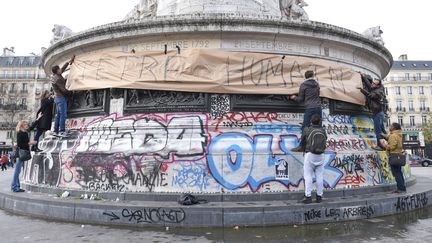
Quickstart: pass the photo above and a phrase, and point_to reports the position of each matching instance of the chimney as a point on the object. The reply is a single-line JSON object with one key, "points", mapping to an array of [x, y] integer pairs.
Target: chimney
{"points": [[403, 57]]}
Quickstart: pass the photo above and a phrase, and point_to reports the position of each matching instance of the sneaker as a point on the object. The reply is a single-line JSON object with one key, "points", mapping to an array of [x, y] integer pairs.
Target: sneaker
{"points": [[399, 192], [62, 134], [318, 199], [20, 190], [297, 149], [307, 200]]}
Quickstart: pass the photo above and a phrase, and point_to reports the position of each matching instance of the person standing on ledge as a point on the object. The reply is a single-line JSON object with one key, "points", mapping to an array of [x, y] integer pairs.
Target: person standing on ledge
{"points": [[394, 145], [315, 139], [375, 98], [309, 96], [61, 93]]}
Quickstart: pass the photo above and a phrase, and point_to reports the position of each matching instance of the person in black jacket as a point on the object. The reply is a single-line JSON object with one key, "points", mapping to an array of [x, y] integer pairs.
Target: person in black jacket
{"points": [[309, 96], [23, 143], [44, 117], [375, 97]]}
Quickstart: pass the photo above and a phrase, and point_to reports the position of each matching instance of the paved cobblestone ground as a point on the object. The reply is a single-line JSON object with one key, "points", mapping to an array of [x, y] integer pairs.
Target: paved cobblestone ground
{"points": [[411, 227]]}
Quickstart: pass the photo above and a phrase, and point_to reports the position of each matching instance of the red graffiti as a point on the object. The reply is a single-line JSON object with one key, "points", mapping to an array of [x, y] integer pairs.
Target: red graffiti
{"points": [[240, 119]]}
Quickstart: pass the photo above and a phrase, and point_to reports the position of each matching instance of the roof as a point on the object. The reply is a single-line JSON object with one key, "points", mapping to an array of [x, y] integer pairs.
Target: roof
{"points": [[412, 65], [20, 61]]}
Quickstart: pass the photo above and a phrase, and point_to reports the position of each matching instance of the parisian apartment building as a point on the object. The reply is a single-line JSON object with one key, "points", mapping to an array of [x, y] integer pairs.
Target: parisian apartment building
{"points": [[22, 80], [409, 92]]}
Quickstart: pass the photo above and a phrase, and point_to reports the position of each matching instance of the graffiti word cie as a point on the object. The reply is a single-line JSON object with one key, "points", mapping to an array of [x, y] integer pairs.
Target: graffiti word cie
{"points": [[149, 215], [408, 203], [339, 213]]}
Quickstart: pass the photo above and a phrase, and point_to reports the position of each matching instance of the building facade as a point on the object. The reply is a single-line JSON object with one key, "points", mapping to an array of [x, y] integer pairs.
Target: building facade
{"points": [[409, 92], [21, 82]]}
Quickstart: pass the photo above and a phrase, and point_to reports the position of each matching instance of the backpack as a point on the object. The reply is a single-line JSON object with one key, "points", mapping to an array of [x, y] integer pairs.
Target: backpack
{"points": [[316, 141], [189, 199]]}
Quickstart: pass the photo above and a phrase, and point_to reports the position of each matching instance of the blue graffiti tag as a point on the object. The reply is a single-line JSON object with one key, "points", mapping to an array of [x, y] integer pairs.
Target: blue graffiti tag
{"points": [[236, 160]]}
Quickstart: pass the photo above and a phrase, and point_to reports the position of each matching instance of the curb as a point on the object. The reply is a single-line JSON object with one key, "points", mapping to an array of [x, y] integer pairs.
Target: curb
{"points": [[217, 214]]}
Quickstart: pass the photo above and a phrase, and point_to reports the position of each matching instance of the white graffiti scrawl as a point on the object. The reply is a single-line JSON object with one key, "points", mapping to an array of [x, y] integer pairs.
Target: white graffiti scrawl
{"points": [[179, 135]]}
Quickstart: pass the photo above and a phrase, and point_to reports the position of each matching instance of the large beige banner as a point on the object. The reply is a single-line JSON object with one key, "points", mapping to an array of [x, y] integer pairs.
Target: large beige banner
{"points": [[212, 71]]}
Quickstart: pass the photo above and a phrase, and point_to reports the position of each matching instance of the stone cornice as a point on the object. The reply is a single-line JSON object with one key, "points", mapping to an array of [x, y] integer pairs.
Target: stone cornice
{"points": [[217, 23]]}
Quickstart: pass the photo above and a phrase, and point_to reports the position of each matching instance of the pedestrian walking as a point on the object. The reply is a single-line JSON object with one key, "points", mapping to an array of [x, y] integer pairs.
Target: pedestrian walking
{"points": [[4, 161], [315, 139]]}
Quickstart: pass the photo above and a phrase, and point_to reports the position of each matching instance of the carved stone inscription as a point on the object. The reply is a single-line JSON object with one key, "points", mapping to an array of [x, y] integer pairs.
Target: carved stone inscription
{"points": [[198, 43]]}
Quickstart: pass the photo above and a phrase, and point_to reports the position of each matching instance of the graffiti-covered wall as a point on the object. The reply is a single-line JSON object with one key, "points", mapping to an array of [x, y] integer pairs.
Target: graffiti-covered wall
{"points": [[204, 152]]}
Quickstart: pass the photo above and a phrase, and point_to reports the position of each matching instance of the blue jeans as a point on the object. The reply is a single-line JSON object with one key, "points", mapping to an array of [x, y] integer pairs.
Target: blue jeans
{"points": [[379, 128], [15, 181], [308, 115], [61, 114]]}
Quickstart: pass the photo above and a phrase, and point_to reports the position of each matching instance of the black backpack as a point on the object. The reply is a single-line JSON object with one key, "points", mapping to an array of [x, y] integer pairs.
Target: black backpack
{"points": [[189, 199], [316, 142]]}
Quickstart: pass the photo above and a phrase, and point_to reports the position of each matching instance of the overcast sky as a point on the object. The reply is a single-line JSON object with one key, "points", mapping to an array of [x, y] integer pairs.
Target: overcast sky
{"points": [[27, 24]]}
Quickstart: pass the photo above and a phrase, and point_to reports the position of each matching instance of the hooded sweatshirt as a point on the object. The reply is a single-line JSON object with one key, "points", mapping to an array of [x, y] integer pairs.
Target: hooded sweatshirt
{"points": [[309, 94]]}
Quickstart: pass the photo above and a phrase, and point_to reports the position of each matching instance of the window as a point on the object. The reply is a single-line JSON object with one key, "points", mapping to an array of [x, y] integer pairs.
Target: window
{"points": [[411, 105], [27, 74], [1, 101], [409, 90], [12, 88], [412, 121], [399, 105], [9, 134], [16, 74], [386, 91], [407, 76], [24, 101], [430, 76], [423, 105], [421, 90], [400, 120], [5, 74], [398, 90], [413, 138], [24, 88], [418, 76], [424, 120]]}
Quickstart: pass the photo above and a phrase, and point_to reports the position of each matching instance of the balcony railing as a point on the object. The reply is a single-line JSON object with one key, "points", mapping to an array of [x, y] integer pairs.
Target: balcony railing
{"points": [[20, 77], [400, 109], [424, 109], [19, 107], [423, 78]]}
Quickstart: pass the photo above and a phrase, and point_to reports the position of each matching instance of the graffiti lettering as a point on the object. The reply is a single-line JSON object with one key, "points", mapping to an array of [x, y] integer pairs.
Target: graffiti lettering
{"points": [[183, 136], [408, 203], [149, 215], [339, 213]]}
